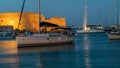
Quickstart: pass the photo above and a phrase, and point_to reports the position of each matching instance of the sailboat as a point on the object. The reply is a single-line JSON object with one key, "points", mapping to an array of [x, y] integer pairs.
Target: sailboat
{"points": [[85, 28], [115, 34], [44, 38]]}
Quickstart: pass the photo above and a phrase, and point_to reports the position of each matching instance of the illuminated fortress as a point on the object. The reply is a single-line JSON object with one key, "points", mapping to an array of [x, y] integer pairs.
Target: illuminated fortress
{"points": [[29, 20]]}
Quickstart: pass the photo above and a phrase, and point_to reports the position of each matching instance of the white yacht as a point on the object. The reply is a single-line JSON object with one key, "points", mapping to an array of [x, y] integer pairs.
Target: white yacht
{"points": [[85, 28], [115, 34], [43, 39]]}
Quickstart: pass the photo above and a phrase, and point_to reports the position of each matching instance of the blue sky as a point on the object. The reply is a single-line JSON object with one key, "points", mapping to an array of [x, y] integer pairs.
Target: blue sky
{"points": [[72, 10]]}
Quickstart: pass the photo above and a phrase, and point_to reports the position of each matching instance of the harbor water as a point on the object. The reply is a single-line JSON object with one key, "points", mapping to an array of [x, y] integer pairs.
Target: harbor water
{"points": [[87, 51]]}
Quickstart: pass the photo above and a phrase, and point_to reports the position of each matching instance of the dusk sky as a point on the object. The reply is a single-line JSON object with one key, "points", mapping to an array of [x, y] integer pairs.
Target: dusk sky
{"points": [[72, 10]]}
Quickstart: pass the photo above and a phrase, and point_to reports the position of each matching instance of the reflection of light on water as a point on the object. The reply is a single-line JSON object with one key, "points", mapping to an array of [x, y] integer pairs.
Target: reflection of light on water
{"points": [[9, 54], [39, 63], [87, 59], [8, 47], [8, 60], [87, 48], [39, 60]]}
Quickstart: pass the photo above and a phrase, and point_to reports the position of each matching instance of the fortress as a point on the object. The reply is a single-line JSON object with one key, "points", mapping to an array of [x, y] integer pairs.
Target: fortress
{"points": [[29, 20]]}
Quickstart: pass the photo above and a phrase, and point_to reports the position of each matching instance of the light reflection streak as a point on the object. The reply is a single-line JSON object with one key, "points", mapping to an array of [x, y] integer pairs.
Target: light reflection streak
{"points": [[13, 57], [8, 47], [9, 60], [9, 54], [87, 49]]}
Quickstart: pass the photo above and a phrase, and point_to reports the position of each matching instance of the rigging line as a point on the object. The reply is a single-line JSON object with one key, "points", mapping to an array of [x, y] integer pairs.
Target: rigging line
{"points": [[119, 17], [115, 11], [110, 15], [21, 13], [107, 18], [39, 19], [101, 16]]}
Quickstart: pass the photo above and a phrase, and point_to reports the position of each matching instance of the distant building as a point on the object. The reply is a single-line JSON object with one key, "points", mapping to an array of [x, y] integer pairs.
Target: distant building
{"points": [[29, 20]]}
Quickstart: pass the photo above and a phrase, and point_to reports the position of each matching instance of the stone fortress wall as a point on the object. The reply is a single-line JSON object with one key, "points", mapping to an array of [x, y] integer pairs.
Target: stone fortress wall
{"points": [[29, 20]]}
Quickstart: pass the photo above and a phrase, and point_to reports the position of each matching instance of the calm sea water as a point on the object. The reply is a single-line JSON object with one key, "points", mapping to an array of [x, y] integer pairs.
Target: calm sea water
{"points": [[88, 51]]}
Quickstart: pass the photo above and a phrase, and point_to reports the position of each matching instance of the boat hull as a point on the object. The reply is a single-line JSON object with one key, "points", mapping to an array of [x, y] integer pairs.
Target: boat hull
{"points": [[88, 31], [42, 40], [113, 36]]}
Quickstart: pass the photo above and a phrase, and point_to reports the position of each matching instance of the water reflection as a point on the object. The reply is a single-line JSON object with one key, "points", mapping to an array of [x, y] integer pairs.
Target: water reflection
{"points": [[87, 49], [8, 54], [33, 57], [30, 57], [45, 48]]}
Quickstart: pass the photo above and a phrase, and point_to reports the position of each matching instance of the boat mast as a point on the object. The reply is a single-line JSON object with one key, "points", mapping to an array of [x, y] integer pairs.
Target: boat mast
{"points": [[116, 20], [38, 16], [21, 13], [107, 18], [85, 17], [100, 17], [109, 23], [119, 18]]}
